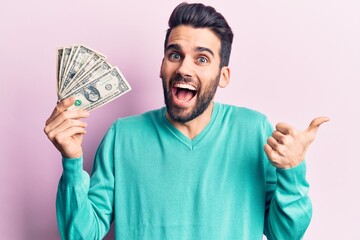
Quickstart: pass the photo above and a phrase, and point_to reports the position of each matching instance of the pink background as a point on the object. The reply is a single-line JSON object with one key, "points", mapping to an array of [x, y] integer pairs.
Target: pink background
{"points": [[292, 60]]}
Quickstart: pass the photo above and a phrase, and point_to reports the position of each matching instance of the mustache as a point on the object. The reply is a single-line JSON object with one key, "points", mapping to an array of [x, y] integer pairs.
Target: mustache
{"points": [[180, 78]]}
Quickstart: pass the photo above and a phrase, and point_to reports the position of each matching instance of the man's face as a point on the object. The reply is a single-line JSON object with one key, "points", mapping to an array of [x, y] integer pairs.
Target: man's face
{"points": [[190, 71]]}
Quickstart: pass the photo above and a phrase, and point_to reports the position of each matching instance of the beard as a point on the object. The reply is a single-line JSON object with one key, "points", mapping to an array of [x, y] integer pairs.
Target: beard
{"points": [[204, 98]]}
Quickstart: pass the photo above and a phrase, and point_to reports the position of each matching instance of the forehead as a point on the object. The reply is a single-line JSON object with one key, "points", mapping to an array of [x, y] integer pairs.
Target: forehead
{"points": [[190, 38]]}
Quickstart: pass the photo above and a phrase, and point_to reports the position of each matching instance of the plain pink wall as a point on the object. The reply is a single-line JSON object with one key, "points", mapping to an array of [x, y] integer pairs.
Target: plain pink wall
{"points": [[292, 60]]}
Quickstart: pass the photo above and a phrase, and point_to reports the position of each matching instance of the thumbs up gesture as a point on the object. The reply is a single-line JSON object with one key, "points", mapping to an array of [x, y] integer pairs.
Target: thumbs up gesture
{"points": [[286, 147]]}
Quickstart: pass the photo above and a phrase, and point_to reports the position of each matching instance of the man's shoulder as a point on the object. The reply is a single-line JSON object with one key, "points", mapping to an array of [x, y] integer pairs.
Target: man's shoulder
{"points": [[241, 113], [244, 119]]}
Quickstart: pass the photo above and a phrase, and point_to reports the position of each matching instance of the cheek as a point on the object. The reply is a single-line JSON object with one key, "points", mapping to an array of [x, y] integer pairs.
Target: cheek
{"points": [[165, 70], [164, 78], [207, 72], [208, 78], [162, 68]]}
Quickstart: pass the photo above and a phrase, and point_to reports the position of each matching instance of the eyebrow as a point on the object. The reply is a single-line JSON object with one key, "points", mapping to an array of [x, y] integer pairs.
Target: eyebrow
{"points": [[173, 47], [204, 49], [177, 47]]}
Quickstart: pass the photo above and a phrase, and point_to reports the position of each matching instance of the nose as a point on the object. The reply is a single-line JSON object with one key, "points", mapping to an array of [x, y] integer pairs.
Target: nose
{"points": [[185, 69]]}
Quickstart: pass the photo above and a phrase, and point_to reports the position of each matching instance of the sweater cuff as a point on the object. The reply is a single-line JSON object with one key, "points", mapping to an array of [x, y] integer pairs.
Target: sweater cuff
{"points": [[72, 170], [293, 180]]}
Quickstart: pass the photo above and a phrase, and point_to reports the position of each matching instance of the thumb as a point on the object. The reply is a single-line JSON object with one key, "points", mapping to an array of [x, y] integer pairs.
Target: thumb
{"points": [[314, 126]]}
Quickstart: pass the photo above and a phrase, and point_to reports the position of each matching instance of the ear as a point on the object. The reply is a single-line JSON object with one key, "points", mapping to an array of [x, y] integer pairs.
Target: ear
{"points": [[224, 76]]}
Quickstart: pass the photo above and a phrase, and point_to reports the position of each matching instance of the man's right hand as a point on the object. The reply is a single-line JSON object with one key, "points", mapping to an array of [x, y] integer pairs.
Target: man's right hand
{"points": [[65, 130]]}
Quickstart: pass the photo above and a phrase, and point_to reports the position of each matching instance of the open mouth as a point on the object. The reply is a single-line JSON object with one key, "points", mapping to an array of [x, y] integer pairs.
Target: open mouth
{"points": [[183, 92]]}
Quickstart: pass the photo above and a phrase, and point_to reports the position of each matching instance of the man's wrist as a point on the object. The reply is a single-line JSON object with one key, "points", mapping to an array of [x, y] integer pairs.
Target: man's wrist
{"points": [[72, 170]]}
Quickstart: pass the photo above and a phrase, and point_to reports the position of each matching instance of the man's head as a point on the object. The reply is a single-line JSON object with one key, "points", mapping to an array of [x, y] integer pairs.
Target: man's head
{"points": [[196, 57], [198, 15]]}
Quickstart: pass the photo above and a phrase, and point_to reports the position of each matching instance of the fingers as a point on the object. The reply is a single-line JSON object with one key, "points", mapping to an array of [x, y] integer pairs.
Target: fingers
{"points": [[287, 147], [275, 145], [280, 146], [284, 128], [67, 136], [67, 117], [68, 125], [272, 143], [311, 131], [60, 107], [65, 129], [315, 124], [69, 142], [269, 151], [62, 138], [279, 137], [272, 155]]}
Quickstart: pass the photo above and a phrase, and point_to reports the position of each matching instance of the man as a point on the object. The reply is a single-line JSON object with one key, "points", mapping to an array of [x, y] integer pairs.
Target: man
{"points": [[193, 170]]}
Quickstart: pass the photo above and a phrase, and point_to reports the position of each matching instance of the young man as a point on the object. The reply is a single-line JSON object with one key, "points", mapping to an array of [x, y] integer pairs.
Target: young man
{"points": [[194, 169]]}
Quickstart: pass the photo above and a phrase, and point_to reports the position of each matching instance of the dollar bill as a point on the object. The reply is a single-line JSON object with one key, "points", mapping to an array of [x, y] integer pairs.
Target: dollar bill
{"points": [[58, 64], [94, 60], [98, 70], [81, 55], [64, 59], [100, 91], [69, 60]]}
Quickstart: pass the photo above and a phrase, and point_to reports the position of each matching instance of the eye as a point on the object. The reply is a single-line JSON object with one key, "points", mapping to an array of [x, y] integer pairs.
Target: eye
{"points": [[202, 60], [174, 56]]}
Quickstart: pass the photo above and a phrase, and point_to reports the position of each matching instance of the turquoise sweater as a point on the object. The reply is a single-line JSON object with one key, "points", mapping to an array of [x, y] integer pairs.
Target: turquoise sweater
{"points": [[158, 184]]}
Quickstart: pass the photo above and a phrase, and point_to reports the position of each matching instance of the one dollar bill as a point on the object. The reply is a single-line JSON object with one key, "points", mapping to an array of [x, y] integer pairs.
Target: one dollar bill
{"points": [[100, 91]]}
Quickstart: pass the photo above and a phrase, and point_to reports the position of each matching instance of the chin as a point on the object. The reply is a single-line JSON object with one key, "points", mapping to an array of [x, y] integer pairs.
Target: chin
{"points": [[183, 115]]}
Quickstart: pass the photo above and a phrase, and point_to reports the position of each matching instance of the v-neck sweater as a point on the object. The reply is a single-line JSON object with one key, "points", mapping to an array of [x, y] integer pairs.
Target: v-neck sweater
{"points": [[155, 183]]}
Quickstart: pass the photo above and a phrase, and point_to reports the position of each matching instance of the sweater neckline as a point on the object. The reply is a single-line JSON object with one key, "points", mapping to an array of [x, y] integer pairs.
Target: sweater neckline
{"points": [[192, 143]]}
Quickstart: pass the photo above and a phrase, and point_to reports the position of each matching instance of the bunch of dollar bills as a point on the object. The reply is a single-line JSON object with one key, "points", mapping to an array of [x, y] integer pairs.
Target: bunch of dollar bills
{"points": [[86, 75]]}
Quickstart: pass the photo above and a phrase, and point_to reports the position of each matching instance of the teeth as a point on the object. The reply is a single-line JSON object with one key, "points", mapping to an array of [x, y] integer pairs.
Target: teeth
{"points": [[186, 86]]}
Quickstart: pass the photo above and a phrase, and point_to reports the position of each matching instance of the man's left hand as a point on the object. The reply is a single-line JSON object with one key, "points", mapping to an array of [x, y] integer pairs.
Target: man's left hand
{"points": [[286, 147]]}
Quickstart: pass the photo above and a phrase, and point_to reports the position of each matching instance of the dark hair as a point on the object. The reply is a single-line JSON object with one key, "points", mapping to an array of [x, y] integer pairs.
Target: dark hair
{"points": [[198, 15]]}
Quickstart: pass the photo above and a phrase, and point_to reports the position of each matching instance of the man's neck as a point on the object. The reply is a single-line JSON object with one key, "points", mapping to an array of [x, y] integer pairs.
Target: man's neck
{"points": [[192, 128]]}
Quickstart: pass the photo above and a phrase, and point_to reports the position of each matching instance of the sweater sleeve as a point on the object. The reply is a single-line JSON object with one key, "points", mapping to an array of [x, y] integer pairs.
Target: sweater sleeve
{"points": [[84, 205], [288, 206]]}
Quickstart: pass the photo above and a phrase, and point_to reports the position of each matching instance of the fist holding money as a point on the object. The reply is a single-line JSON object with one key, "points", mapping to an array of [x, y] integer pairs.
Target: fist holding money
{"points": [[65, 129], [85, 81], [84, 74]]}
